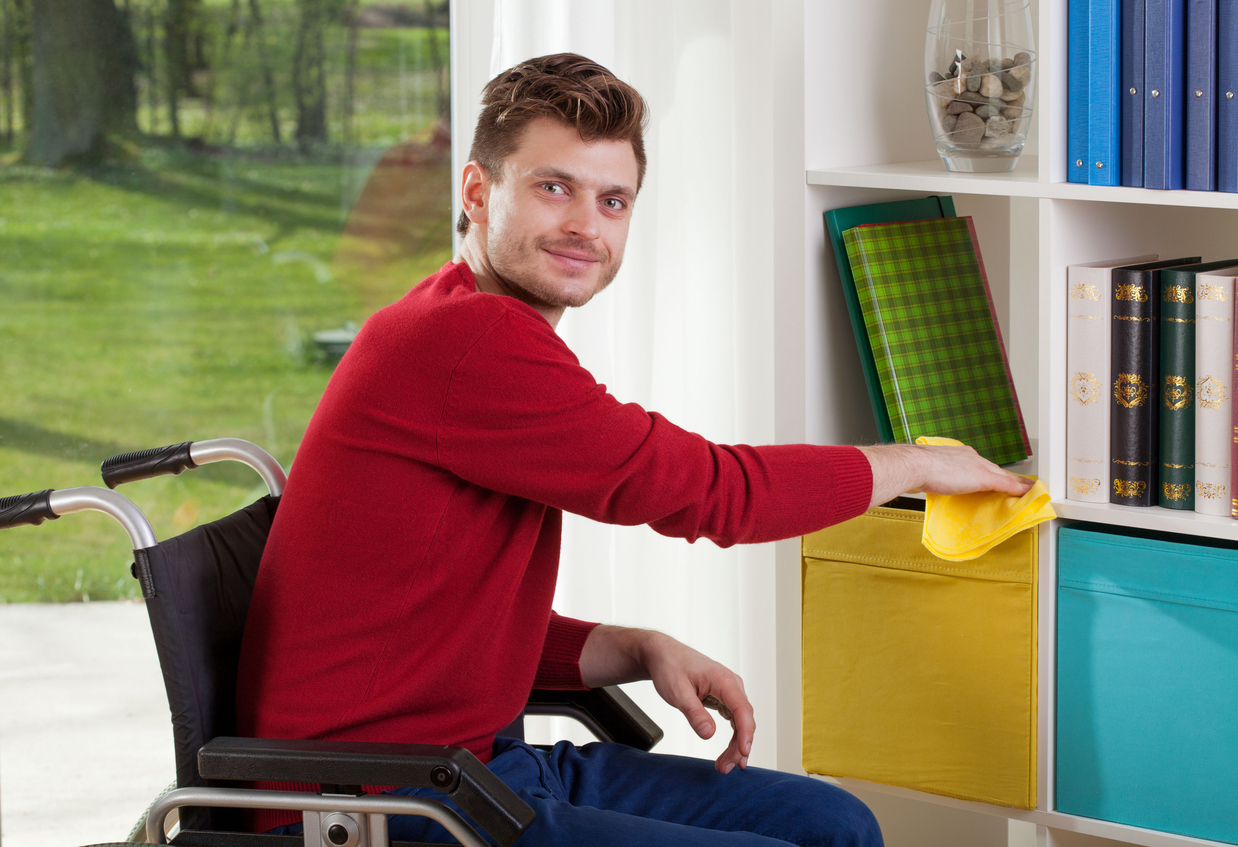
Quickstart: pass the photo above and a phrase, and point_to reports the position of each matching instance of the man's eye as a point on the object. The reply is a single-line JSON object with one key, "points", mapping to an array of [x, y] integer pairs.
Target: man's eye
{"points": [[614, 203], [552, 187]]}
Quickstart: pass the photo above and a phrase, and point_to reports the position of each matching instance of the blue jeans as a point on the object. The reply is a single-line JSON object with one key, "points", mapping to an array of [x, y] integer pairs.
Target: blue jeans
{"points": [[608, 794]]}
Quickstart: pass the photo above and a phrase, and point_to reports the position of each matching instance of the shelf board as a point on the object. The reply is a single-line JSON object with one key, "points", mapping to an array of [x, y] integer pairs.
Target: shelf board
{"points": [[1023, 181], [1054, 820], [1152, 518]]}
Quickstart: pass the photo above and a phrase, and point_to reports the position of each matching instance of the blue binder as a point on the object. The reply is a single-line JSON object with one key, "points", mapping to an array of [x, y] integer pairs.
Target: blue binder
{"points": [[1077, 101], [1201, 104], [1133, 17], [1104, 163], [1227, 97], [1163, 88]]}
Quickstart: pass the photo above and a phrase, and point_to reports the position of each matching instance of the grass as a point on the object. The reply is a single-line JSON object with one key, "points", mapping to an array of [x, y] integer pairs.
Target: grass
{"points": [[171, 299]]}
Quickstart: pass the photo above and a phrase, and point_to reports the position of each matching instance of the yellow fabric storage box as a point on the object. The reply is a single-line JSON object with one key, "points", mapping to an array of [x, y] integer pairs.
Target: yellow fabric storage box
{"points": [[920, 672]]}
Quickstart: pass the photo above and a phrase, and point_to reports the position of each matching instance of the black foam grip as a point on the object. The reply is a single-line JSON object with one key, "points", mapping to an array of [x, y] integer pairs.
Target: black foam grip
{"points": [[144, 464], [26, 509]]}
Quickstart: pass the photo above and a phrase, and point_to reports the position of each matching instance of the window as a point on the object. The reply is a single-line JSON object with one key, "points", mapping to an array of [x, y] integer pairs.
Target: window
{"points": [[200, 200]]}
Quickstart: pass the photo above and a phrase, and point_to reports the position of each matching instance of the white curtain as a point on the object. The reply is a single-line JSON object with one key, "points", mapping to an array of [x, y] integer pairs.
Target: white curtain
{"points": [[685, 329]]}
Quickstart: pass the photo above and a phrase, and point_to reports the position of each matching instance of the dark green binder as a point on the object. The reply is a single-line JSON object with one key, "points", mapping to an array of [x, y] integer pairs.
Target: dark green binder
{"points": [[838, 221]]}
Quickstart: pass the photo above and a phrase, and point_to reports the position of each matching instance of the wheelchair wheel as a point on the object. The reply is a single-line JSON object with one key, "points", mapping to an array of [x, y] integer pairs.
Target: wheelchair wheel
{"points": [[138, 833]]}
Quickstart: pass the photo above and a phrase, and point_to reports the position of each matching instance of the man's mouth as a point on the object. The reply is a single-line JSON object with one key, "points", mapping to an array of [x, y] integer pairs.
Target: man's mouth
{"points": [[575, 260], [574, 256]]}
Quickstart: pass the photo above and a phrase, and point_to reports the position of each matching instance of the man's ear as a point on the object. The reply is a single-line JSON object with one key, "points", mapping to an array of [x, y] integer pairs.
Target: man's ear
{"points": [[475, 193]]}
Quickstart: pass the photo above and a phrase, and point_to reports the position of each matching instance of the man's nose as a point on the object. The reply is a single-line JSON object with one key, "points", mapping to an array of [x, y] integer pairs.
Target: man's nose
{"points": [[583, 218]]}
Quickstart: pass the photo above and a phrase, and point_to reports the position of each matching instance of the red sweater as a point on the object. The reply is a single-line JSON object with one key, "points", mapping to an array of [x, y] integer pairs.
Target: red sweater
{"points": [[405, 591]]}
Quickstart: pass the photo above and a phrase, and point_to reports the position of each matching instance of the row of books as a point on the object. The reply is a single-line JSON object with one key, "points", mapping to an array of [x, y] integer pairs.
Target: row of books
{"points": [[929, 342], [1152, 88], [1150, 369]]}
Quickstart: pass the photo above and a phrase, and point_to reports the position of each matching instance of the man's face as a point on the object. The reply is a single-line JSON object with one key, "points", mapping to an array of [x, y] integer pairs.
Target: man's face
{"points": [[557, 218]]}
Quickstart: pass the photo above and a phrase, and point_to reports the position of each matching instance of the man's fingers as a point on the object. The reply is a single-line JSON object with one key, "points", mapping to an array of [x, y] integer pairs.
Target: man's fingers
{"points": [[709, 701], [702, 724], [732, 703], [731, 757], [741, 717]]}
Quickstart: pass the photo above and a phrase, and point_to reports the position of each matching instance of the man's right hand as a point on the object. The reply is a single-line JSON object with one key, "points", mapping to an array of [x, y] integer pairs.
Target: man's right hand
{"points": [[945, 469]]}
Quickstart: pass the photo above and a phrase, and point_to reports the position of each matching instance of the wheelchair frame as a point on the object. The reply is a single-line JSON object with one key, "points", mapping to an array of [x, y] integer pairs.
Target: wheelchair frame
{"points": [[340, 815]]}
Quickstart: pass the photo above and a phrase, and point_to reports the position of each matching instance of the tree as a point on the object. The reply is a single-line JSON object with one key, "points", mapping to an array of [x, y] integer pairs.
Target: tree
{"points": [[254, 29], [17, 67], [309, 73], [84, 62], [183, 47]]}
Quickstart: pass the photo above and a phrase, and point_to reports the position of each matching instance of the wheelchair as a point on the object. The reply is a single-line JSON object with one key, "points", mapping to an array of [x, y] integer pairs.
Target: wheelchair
{"points": [[197, 589]]}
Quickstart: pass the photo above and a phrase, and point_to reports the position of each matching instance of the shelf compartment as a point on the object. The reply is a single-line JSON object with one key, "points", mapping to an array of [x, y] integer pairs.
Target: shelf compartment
{"points": [[917, 671], [1146, 678]]}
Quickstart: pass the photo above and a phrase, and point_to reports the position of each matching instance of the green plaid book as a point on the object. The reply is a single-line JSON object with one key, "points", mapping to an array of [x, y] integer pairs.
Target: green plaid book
{"points": [[934, 335]]}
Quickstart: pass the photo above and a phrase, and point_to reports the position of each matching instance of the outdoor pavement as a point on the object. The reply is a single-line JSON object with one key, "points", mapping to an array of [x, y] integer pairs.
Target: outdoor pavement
{"points": [[85, 738]]}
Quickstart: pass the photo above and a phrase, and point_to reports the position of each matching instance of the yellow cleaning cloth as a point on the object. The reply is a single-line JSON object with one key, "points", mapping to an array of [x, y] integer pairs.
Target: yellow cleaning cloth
{"points": [[958, 527]]}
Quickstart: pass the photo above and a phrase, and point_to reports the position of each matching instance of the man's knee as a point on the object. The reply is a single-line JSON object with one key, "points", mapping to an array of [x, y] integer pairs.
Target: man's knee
{"points": [[864, 831], [839, 817]]}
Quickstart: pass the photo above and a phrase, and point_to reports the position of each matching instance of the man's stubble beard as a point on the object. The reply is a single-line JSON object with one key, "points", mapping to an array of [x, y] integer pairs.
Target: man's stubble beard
{"points": [[531, 286]]}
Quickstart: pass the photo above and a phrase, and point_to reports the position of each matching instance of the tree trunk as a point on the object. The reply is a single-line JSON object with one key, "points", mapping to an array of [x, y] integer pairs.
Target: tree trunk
{"points": [[175, 61], [442, 88], [152, 68], [255, 28], [22, 59], [309, 74], [6, 71], [350, 73], [84, 62]]}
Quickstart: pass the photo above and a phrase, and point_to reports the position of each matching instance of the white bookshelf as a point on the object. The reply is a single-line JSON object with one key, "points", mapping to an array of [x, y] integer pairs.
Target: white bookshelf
{"points": [[873, 145]]}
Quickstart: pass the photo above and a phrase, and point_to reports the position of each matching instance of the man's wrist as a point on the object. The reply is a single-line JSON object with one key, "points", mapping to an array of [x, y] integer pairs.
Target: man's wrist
{"points": [[617, 654]]}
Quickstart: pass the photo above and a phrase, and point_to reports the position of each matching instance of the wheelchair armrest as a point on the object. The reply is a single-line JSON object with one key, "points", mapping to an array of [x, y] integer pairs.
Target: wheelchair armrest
{"points": [[608, 713], [451, 770]]}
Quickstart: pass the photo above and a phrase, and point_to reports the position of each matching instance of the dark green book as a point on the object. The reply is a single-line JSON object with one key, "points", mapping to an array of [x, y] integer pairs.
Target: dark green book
{"points": [[838, 221], [934, 335], [1177, 384]]}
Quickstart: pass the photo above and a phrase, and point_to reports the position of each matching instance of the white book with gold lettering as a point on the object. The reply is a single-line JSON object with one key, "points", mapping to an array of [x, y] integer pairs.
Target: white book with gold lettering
{"points": [[1087, 377], [1214, 370]]}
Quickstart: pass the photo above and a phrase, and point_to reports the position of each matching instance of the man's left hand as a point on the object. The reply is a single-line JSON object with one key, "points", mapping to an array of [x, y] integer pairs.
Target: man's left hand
{"points": [[688, 680]]}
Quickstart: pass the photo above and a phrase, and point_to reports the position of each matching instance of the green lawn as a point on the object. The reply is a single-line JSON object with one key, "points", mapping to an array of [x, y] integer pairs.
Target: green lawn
{"points": [[167, 300]]}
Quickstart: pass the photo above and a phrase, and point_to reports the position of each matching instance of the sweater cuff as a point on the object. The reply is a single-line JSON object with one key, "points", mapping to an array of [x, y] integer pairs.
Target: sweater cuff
{"points": [[559, 667], [853, 484]]}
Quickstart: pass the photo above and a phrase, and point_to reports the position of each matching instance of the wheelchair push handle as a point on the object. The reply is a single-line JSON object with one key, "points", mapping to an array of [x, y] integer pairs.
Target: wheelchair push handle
{"points": [[32, 509], [177, 458], [144, 464], [26, 509]]}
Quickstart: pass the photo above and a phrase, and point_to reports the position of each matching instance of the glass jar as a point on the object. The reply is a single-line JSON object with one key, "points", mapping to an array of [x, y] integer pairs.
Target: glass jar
{"points": [[980, 73]]}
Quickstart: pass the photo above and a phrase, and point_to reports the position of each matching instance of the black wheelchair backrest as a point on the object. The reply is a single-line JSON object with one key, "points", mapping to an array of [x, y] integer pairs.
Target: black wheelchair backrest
{"points": [[203, 581]]}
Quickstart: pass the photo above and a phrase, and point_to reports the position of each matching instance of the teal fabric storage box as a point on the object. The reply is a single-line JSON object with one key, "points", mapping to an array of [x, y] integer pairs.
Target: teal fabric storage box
{"points": [[1147, 683]]}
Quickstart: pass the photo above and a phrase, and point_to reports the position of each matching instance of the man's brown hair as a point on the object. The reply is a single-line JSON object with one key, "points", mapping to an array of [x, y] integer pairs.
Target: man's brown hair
{"points": [[564, 87]]}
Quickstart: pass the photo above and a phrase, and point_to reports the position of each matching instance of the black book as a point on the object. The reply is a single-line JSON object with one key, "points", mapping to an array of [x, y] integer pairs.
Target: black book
{"points": [[1134, 438]]}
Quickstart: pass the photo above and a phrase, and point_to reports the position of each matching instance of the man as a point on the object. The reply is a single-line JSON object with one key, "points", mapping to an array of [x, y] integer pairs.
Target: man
{"points": [[406, 587]]}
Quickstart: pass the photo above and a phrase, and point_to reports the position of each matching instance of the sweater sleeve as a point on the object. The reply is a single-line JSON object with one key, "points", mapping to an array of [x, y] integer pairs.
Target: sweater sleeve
{"points": [[522, 417], [559, 666]]}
